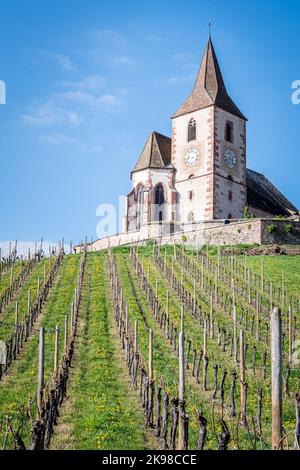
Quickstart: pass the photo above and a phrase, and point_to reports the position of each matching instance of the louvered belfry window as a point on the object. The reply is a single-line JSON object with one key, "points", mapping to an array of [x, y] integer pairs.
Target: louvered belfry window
{"points": [[192, 130], [229, 132]]}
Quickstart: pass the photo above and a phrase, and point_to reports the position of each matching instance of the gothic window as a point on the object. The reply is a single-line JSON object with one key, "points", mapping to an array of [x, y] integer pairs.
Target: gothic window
{"points": [[192, 130], [159, 195], [230, 196], [139, 206], [159, 203], [229, 132], [229, 217]]}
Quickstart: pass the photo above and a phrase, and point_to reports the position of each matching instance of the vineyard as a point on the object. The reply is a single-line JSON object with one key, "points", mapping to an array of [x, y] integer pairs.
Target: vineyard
{"points": [[150, 347]]}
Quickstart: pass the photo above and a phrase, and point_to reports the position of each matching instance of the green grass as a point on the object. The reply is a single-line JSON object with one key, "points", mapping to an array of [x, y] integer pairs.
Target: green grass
{"points": [[274, 266], [193, 330], [9, 273], [8, 315], [165, 360], [21, 382], [102, 412]]}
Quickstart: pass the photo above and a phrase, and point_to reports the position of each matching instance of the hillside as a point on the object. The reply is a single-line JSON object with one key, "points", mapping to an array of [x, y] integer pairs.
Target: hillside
{"points": [[111, 375]]}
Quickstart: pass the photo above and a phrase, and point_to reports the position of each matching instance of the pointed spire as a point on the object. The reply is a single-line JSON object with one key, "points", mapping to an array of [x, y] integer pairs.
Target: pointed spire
{"points": [[209, 88]]}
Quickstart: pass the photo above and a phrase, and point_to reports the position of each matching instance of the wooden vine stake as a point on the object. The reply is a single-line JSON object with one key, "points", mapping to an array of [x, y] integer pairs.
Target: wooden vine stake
{"points": [[181, 379], [38, 286], [56, 348], [28, 301], [150, 354], [135, 336], [242, 372], [234, 334], [41, 368], [276, 373], [17, 315], [72, 321], [204, 337], [211, 316], [126, 320], [290, 335], [66, 331]]}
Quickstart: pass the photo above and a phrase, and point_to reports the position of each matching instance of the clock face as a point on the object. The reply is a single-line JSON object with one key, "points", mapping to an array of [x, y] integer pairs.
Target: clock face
{"points": [[230, 158], [192, 157]]}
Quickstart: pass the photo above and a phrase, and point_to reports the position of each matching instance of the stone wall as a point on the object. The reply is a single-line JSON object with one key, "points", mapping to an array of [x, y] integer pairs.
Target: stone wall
{"points": [[252, 231]]}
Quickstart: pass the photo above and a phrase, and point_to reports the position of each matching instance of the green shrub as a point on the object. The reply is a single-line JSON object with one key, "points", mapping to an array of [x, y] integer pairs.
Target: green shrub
{"points": [[288, 228], [247, 213], [271, 229]]}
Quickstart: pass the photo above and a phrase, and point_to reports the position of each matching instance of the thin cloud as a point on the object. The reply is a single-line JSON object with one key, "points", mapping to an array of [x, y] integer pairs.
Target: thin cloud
{"points": [[49, 114], [113, 37], [154, 38], [123, 60], [92, 82], [176, 79], [106, 102], [90, 149], [63, 60], [79, 147], [57, 139]]}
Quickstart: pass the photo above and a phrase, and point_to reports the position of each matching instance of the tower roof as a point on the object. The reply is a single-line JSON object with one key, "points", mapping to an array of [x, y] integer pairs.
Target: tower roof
{"points": [[156, 152], [209, 88]]}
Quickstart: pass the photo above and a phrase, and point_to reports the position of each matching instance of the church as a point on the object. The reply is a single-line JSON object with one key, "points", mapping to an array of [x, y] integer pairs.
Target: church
{"points": [[200, 173]]}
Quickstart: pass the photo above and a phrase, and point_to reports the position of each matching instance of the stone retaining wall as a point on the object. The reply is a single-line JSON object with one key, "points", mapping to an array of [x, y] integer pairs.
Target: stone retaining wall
{"points": [[249, 232]]}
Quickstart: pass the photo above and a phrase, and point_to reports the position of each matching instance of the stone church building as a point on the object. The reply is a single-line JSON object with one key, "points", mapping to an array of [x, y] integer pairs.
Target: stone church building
{"points": [[200, 173], [195, 186]]}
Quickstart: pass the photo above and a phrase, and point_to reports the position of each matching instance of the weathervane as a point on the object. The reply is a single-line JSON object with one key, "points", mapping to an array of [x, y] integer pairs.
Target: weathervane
{"points": [[209, 28]]}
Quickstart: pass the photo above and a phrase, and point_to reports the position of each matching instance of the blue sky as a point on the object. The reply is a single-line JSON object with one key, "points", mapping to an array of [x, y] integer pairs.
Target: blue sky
{"points": [[88, 80]]}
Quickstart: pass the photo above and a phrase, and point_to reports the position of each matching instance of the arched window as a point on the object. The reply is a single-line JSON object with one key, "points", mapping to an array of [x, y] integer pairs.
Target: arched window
{"points": [[139, 206], [159, 203], [229, 132], [229, 217], [159, 195], [192, 130]]}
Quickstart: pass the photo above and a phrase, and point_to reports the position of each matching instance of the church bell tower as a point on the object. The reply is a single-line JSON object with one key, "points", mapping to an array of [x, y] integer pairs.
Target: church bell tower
{"points": [[209, 149]]}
